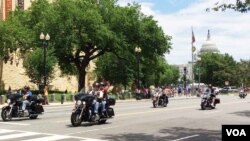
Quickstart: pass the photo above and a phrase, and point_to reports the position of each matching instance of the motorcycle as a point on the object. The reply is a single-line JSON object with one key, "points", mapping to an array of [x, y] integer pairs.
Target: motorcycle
{"points": [[158, 100], [242, 95], [206, 102], [84, 110], [13, 109]]}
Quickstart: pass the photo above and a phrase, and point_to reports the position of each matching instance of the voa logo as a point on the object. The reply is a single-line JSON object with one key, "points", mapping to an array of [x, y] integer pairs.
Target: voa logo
{"points": [[236, 132]]}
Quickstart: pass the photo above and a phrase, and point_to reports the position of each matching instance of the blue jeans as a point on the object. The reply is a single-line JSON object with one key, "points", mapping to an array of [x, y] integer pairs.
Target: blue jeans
{"points": [[103, 104], [96, 106], [25, 103]]}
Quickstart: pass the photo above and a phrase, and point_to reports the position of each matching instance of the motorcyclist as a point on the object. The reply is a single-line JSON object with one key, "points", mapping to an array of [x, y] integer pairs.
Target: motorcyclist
{"points": [[212, 95], [243, 92], [158, 93], [26, 96], [164, 95], [94, 92], [104, 88]]}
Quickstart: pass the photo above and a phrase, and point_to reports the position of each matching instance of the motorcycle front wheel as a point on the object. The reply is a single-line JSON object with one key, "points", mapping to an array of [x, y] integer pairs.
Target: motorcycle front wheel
{"points": [[5, 115], [34, 117], [203, 105], [154, 104], [75, 119]]}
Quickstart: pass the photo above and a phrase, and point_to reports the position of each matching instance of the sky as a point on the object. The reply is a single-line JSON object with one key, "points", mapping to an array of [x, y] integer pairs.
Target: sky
{"points": [[230, 30]]}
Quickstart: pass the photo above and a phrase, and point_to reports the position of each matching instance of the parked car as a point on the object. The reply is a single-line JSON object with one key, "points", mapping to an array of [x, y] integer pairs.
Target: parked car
{"points": [[229, 89], [217, 90]]}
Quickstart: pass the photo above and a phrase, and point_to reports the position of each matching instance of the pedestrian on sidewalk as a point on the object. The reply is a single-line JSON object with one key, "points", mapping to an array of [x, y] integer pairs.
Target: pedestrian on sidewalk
{"points": [[46, 94]]}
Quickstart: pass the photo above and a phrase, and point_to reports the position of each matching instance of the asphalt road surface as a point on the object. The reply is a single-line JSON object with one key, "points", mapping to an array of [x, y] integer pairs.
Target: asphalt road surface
{"points": [[181, 120]]}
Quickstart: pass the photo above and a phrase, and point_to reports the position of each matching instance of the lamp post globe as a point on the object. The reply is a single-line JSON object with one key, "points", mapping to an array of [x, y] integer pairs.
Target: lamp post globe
{"points": [[138, 56], [44, 43]]}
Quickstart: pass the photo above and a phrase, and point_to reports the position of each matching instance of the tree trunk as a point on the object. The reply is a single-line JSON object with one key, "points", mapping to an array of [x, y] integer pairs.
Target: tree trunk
{"points": [[81, 78]]}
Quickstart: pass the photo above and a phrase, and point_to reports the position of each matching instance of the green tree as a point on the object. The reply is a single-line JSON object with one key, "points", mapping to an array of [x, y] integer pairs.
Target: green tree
{"points": [[243, 73], [170, 76], [215, 69], [239, 6], [34, 66], [83, 30], [104, 27], [114, 69], [14, 35]]}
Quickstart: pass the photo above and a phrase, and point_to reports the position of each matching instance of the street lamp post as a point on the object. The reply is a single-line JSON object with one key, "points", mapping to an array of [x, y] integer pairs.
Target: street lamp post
{"points": [[138, 56], [185, 78], [44, 44]]}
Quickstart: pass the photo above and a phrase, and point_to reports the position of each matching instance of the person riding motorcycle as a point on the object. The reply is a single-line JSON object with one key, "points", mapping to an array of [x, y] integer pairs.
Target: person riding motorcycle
{"points": [[26, 95], [212, 95], [99, 101], [104, 88], [165, 95], [94, 92]]}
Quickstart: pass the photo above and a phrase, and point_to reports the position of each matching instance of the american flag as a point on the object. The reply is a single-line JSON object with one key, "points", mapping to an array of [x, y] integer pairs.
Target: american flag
{"points": [[193, 38]]}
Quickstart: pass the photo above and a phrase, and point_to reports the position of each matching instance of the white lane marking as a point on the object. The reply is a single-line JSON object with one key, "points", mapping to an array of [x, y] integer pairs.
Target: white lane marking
{"points": [[169, 109], [212, 112], [13, 123], [92, 130], [17, 135], [50, 138], [2, 131], [158, 110], [154, 110], [185, 138], [89, 139]]}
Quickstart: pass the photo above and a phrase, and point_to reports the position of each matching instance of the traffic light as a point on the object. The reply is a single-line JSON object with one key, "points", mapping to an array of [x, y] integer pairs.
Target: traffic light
{"points": [[185, 70]]}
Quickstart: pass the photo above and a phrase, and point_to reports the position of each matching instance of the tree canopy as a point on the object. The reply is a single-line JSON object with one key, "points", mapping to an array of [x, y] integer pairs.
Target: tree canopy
{"points": [[216, 68], [34, 66], [83, 30], [239, 6]]}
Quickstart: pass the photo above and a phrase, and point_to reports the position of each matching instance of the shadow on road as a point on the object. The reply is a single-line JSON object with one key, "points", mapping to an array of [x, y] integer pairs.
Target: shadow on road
{"points": [[242, 113], [171, 134], [88, 124]]}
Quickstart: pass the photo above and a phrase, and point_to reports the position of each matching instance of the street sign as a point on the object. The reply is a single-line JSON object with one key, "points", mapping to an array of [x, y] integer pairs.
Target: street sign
{"points": [[226, 83]]}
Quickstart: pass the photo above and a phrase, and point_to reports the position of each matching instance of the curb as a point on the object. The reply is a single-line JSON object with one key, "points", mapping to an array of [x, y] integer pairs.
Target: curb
{"points": [[118, 101]]}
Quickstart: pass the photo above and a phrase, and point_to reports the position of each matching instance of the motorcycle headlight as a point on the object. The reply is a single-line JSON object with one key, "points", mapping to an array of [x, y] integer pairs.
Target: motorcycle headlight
{"points": [[79, 102], [8, 101], [204, 96]]}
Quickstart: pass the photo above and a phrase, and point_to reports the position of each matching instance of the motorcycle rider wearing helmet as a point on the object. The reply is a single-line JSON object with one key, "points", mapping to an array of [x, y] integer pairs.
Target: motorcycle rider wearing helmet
{"points": [[212, 95], [94, 92], [104, 88], [26, 95]]}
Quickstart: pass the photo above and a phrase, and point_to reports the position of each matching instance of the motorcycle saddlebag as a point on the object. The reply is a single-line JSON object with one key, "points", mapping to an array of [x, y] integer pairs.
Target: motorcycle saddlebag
{"points": [[39, 109], [217, 100], [111, 101], [111, 112]]}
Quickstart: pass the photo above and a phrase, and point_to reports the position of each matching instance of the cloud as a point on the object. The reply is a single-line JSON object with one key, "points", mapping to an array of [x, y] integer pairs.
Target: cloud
{"points": [[230, 30]]}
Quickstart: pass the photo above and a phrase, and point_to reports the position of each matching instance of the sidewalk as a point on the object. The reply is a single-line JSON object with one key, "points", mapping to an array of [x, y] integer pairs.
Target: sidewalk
{"points": [[53, 104]]}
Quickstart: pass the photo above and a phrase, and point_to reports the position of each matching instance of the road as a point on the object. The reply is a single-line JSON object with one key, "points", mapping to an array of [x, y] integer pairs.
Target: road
{"points": [[181, 120]]}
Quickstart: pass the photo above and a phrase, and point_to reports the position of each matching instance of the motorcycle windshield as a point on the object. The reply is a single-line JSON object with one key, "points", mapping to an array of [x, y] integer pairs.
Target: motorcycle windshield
{"points": [[83, 97], [14, 96]]}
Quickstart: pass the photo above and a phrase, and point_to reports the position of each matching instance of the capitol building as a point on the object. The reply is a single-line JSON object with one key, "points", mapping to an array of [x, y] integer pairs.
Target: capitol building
{"points": [[209, 46]]}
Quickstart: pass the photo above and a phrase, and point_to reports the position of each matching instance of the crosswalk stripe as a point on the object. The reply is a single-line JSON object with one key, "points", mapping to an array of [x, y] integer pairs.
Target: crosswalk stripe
{"points": [[50, 138], [88, 139], [2, 131], [17, 135], [14, 134]]}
